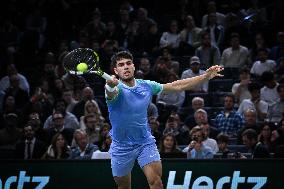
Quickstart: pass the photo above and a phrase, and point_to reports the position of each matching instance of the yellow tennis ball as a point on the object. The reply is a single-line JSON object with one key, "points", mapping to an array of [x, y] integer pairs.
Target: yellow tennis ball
{"points": [[82, 67]]}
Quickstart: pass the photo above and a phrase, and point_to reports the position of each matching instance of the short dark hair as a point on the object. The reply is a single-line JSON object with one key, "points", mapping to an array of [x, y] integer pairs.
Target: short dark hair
{"points": [[230, 95], [222, 138], [267, 76], [234, 35], [120, 55], [250, 134], [254, 86]]}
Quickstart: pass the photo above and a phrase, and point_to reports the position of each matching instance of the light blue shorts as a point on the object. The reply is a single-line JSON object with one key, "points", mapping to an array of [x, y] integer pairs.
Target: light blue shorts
{"points": [[123, 157]]}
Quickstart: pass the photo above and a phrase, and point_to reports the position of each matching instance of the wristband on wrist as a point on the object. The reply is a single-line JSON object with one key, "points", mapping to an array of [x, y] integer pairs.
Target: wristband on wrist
{"points": [[110, 89]]}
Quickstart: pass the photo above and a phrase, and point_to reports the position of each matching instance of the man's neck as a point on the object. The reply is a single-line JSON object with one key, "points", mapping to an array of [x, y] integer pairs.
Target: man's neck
{"points": [[129, 83]]}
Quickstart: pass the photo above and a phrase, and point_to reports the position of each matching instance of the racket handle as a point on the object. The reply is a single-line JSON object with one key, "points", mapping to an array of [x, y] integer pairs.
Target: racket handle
{"points": [[106, 76]]}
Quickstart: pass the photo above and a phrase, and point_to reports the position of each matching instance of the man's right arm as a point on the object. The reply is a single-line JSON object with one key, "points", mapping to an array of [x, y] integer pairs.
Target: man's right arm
{"points": [[111, 88]]}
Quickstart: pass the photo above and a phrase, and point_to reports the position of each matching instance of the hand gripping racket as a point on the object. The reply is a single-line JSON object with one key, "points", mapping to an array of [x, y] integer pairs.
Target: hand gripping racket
{"points": [[82, 61]]}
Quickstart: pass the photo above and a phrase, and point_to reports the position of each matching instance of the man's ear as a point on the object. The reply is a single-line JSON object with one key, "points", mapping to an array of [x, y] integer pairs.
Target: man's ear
{"points": [[115, 71]]}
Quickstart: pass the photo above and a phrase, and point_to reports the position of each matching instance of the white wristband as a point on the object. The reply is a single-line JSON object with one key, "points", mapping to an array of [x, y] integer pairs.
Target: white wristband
{"points": [[110, 89]]}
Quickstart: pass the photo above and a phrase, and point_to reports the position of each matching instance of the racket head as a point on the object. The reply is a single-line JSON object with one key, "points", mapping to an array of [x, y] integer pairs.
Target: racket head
{"points": [[81, 55]]}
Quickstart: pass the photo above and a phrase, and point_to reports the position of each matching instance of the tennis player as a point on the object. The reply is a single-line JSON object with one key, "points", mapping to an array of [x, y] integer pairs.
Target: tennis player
{"points": [[127, 100]]}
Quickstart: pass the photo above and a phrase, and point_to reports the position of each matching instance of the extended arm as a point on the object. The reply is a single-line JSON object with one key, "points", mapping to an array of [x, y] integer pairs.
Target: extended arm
{"points": [[188, 83]]}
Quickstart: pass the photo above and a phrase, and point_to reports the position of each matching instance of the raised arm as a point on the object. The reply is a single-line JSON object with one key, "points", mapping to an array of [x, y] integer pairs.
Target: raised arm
{"points": [[188, 83]]}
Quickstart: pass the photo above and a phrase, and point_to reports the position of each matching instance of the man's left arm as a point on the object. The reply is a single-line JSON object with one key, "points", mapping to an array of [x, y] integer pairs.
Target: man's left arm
{"points": [[188, 83]]}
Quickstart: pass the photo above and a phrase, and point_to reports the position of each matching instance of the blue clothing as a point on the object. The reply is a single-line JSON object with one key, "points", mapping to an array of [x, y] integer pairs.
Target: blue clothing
{"points": [[204, 153], [128, 112], [123, 157], [90, 149], [130, 133], [230, 125]]}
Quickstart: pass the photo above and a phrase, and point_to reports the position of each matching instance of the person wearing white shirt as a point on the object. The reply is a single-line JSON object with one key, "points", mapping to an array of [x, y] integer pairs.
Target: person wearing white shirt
{"points": [[268, 92], [254, 103], [235, 56], [195, 71], [263, 64], [170, 39], [240, 90]]}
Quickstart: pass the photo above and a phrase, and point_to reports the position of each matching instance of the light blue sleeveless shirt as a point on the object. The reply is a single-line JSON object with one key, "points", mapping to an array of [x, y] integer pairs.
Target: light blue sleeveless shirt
{"points": [[128, 112]]}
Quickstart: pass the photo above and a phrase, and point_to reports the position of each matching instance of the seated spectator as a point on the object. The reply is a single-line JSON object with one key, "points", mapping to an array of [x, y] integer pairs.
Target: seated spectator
{"points": [[168, 146], [106, 142], [262, 64], [268, 92], [5, 81], [222, 141], [30, 147], [275, 110], [229, 121], [145, 66], [67, 96], [174, 126], [92, 107], [35, 122], [210, 142], [92, 128], [152, 110], [172, 98], [196, 149], [84, 149], [104, 132], [58, 149], [254, 103], [264, 136], [250, 123], [196, 104], [195, 71], [277, 136], [208, 54], [279, 70], [235, 56], [278, 50], [240, 90], [212, 8], [257, 150], [70, 120], [59, 127], [171, 39], [11, 132]]}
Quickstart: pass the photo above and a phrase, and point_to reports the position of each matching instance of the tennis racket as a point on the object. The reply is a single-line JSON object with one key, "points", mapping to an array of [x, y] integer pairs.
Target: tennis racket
{"points": [[82, 61]]}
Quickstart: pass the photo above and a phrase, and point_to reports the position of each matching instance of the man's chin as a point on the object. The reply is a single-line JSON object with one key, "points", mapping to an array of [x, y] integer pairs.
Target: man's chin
{"points": [[128, 79]]}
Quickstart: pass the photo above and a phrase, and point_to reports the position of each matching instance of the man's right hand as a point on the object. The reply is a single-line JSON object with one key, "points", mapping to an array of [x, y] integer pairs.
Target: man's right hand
{"points": [[112, 83]]}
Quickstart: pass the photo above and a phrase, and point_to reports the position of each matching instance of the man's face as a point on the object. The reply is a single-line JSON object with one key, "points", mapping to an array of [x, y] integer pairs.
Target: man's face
{"points": [[81, 140], [145, 65], [200, 118], [125, 69], [197, 104], [247, 142], [91, 123], [229, 103], [58, 120], [34, 119], [250, 117], [29, 132]]}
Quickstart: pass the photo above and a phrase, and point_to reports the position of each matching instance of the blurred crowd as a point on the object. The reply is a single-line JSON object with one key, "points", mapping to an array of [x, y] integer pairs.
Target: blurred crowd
{"points": [[47, 113]]}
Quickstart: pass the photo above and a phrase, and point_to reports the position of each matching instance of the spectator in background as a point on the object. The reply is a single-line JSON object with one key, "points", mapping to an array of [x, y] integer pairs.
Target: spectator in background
{"points": [[145, 66], [262, 64], [197, 149], [106, 142], [171, 38], [279, 70], [235, 56], [278, 50], [215, 30], [268, 92], [189, 37], [210, 142], [208, 53], [174, 126], [168, 146], [21, 96], [276, 109], [9, 106], [70, 121], [30, 147], [211, 8], [172, 98], [254, 103], [36, 123], [229, 121], [92, 128], [152, 111], [92, 107], [223, 141], [264, 136], [84, 149], [151, 40], [250, 117], [195, 71], [259, 43], [59, 127], [200, 116], [5, 81], [257, 150], [67, 96], [58, 149], [240, 90]]}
